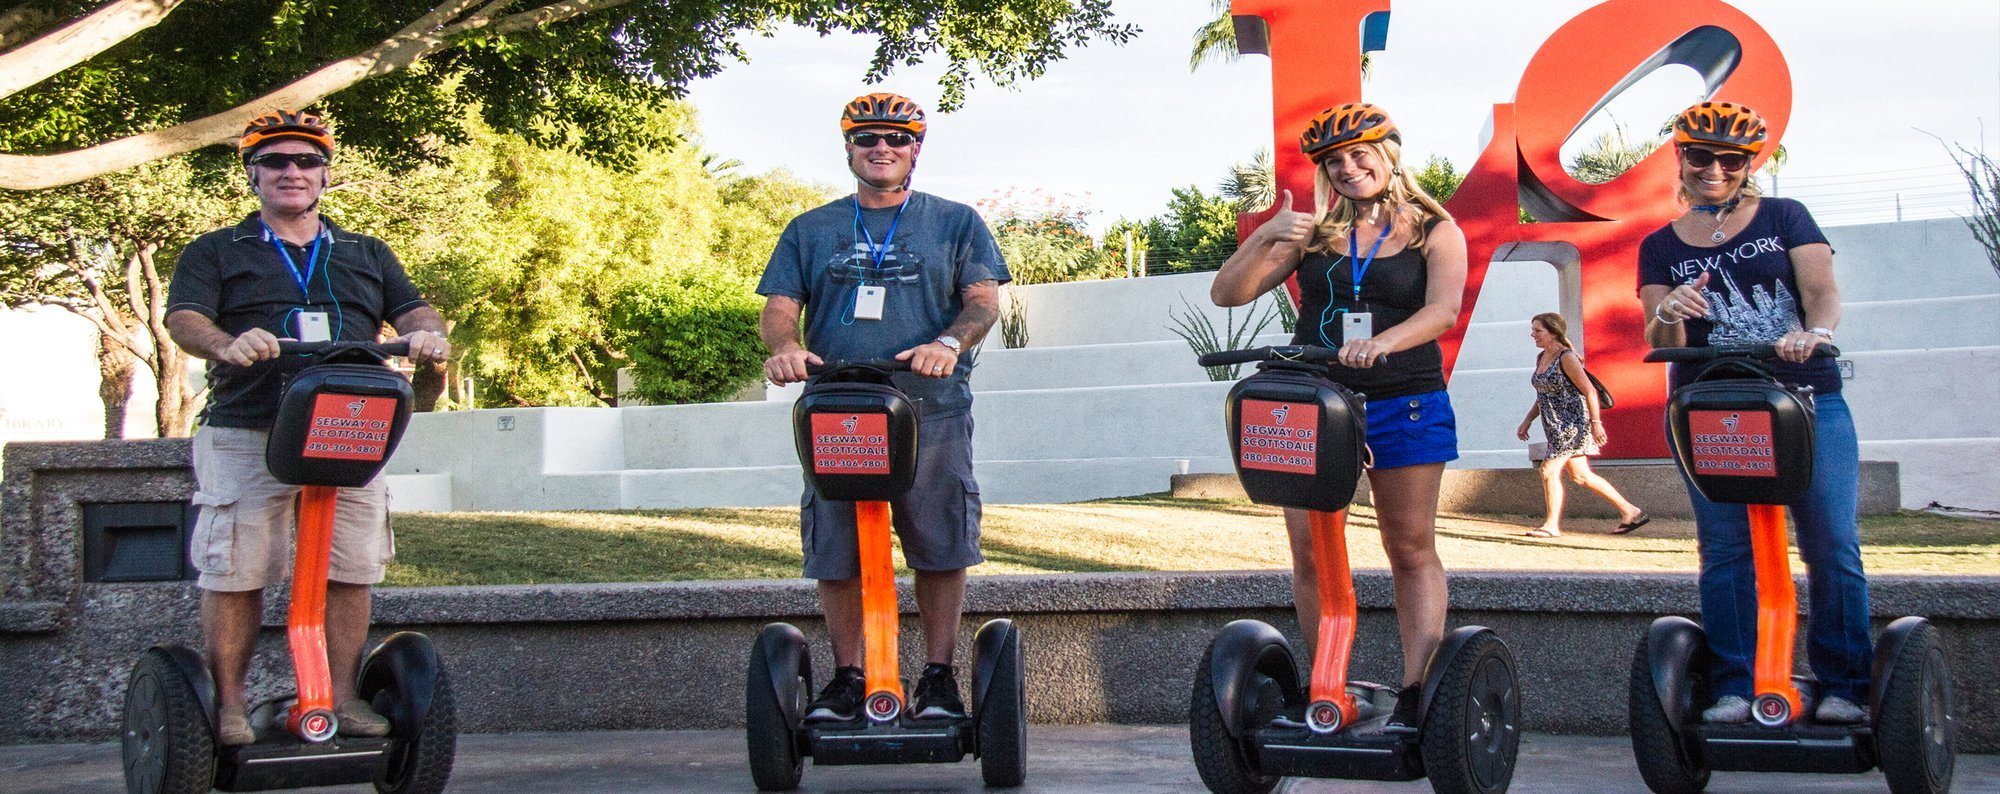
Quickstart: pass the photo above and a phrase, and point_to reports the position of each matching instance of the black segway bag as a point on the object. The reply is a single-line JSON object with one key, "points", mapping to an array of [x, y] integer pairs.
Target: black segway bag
{"points": [[339, 421], [1742, 437], [856, 435], [1297, 438]]}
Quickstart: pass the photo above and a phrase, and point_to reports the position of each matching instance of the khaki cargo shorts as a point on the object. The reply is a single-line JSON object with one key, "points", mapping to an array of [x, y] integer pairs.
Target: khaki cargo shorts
{"points": [[243, 538]]}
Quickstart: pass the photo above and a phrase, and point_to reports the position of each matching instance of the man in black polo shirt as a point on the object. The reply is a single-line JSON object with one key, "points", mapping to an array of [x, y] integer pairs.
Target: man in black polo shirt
{"points": [[283, 273]]}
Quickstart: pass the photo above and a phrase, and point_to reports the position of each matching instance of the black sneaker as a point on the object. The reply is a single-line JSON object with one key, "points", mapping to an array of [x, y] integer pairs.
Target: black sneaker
{"points": [[840, 700], [1409, 715], [937, 694]]}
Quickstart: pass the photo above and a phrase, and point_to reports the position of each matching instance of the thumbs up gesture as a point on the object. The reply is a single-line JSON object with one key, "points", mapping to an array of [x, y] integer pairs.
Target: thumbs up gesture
{"points": [[1288, 225]]}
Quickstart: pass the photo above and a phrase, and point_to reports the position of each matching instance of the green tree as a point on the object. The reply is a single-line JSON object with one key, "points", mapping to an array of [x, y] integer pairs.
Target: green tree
{"points": [[1196, 233], [1439, 178], [1610, 154], [89, 89], [754, 212], [104, 249], [1045, 238], [1251, 184]]}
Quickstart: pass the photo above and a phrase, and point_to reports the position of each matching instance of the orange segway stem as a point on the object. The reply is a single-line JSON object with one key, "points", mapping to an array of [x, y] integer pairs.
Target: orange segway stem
{"points": [[1330, 706], [312, 717], [1778, 701], [880, 621]]}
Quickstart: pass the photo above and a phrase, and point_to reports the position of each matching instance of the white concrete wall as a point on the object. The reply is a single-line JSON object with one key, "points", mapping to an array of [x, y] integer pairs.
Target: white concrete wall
{"points": [[1106, 399]]}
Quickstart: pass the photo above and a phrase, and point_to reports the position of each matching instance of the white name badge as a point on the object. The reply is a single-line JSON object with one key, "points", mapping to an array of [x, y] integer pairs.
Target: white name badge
{"points": [[313, 327], [868, 300], [1357, 326]]}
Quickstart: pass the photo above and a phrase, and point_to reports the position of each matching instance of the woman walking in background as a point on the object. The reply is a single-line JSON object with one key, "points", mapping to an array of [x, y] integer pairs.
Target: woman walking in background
{"points": [[1572, 423]]}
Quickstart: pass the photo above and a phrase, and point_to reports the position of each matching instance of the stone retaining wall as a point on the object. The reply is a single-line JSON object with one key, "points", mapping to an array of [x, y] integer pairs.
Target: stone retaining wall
{"points": [[1117, 647]]}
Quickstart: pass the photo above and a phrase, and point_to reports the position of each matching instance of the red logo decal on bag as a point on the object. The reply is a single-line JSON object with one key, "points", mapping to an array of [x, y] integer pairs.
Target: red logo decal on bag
{"points": [[850, 443], [1276, 436], [348, 427], [1732, 444]]}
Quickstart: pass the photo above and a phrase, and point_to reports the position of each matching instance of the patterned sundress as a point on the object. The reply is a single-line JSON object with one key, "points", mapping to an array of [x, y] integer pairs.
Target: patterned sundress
{"points": [[1565, 419]]}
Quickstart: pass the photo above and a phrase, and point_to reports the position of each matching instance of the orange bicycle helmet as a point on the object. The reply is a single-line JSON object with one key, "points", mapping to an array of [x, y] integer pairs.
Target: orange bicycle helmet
{"points": [[883, 109], [1334, 127], [1721, 124], [281, 125]]}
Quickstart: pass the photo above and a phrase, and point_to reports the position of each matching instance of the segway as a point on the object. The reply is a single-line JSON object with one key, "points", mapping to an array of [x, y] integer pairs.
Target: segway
{"points": [[1743, 438], [857, 441], [339, 420], [1298, 440]]}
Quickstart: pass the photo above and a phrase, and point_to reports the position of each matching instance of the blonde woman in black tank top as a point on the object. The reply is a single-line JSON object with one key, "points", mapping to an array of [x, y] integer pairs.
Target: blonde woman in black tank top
{"points": [[1374, 242]]}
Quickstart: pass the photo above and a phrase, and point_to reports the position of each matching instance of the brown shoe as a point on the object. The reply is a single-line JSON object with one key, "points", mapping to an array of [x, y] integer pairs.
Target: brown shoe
{"points": [[357, 718], [233, 728]]}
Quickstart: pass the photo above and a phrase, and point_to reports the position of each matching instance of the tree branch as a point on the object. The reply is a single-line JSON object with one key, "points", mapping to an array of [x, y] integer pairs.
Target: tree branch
{"points": [[78, 41], [414, 42]]}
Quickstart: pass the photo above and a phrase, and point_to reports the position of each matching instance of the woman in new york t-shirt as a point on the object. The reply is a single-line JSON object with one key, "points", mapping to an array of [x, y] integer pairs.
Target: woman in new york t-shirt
{"points": [[1740, 269]]}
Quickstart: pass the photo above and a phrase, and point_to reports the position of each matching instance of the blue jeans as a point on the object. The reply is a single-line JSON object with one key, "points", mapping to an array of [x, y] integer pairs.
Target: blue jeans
{"points": [[1837, 643]]}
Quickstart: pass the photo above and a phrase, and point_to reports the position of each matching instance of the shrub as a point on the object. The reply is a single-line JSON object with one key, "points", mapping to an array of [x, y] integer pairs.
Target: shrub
{"points": [[689, 340]]}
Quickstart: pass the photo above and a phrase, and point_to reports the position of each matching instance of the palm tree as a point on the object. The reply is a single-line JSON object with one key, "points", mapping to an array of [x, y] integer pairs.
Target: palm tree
{"points": [[1609, 154], [1252, 184], [1217, 40]]}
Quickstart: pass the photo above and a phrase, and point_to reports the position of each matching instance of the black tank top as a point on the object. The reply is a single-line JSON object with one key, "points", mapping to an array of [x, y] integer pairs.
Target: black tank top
{"points": [[1392, 289]]}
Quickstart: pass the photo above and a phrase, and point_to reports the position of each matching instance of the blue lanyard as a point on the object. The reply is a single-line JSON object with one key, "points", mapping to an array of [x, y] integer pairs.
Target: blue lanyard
{"points": [[1360, 266], [312, 257], [878, 251]]}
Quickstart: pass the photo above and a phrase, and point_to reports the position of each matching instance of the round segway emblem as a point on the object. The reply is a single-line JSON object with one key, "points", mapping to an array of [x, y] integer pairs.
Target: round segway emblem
{"points": [[316, 724], [883, 707], [1773, 710], [1323, 717]]}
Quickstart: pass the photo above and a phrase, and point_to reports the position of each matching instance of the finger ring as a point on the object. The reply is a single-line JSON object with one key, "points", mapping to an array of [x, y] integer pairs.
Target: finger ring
{"points": [[1673, 303]]}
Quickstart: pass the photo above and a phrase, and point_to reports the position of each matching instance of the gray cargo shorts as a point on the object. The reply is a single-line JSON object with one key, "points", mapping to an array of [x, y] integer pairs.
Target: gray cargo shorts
{"points": [[937, 521]]}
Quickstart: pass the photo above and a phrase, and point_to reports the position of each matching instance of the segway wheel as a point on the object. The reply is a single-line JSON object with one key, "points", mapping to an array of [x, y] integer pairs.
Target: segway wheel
{"points": [[1003, 718], [1663, 759], [1473, 729], [1222, 759], [775, 762], [168, 745], [421, 761], [1915, 732]]}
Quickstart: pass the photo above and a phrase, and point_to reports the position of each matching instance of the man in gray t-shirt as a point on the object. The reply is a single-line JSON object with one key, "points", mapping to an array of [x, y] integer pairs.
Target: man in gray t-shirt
{"points": [[890, 273]]}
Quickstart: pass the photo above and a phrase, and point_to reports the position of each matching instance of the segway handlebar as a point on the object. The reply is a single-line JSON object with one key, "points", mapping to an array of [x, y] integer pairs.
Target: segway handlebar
{"points": [[883, 364], [1685, 355], [1314, 353], [291, 347]]}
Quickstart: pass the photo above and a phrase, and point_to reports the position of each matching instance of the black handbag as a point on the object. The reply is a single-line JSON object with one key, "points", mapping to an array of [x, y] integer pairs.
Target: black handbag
{"points": [[1604, 399], [1603, 394]]}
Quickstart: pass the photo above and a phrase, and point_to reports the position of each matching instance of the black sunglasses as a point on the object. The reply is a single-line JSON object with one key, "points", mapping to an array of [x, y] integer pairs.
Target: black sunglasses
{"points": [[1732, 162], [867, 140], [276, 161]]}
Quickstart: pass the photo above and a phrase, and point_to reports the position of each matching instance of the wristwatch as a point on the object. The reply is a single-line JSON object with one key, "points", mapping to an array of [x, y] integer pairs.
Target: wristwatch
{"points": [[952, 342], [1822, 332]]}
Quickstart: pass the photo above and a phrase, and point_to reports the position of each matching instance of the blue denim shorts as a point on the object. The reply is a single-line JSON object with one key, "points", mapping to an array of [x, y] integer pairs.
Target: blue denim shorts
{"points": [[1412, 430]]}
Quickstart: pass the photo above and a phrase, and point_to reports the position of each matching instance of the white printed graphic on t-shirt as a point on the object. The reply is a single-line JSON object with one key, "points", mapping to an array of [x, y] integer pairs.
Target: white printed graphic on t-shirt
{"points": [[1761, 318], [899, 265]]}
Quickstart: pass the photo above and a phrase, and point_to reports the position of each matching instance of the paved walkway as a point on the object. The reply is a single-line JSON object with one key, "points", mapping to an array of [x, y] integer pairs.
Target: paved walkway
{"points": [[1062, 758]]}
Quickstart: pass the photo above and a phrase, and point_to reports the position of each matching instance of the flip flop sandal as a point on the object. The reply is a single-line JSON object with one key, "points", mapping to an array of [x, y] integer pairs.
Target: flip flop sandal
{"points": [[1540, 533], [1632, 525]]}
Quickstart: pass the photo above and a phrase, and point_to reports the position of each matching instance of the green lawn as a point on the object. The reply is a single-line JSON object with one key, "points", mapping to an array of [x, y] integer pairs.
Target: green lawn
{"points": [[1136, 534]]}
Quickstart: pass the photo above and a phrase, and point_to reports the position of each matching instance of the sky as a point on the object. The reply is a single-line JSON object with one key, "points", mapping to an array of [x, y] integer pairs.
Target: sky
{"points": [[1110, 127]]}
